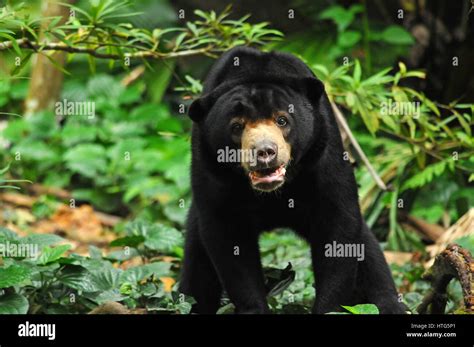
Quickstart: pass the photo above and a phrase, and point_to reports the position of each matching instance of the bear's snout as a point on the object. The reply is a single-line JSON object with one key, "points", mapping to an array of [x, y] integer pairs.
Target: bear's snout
{"points": [[271, 152], [267, 152]]}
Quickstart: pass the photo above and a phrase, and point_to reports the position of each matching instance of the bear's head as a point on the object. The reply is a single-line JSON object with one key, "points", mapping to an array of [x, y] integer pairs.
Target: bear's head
{"points": [[259, 117]]}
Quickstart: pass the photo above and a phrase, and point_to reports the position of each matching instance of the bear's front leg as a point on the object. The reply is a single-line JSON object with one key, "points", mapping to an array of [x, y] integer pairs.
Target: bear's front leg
{"points": [[350, 268], [335, 280], [198, 275], [232, 246]]}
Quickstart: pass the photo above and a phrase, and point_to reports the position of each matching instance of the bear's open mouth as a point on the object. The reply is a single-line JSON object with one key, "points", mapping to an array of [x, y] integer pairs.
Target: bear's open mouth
{"points": [[269, 178]]}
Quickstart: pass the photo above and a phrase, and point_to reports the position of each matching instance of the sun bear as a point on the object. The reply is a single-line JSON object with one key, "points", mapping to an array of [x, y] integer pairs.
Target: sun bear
{"points": [[267, 153]]}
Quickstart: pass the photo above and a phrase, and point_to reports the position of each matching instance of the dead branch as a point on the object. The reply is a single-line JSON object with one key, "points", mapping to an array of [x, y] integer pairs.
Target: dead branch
{"points": [[427, 230], [454, 262], [133, 76], [39, 189], [345, 127]]}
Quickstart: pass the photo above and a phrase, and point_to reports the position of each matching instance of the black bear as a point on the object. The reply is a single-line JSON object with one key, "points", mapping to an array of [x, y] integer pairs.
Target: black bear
{"points": [[267, 153]]}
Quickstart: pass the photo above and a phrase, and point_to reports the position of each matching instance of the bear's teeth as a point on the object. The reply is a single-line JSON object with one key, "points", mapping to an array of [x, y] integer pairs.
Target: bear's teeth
{"points": [[256, 175]]}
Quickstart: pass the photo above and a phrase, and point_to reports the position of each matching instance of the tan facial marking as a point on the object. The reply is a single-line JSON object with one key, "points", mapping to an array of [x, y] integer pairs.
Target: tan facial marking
{"points": [[265, 129]]}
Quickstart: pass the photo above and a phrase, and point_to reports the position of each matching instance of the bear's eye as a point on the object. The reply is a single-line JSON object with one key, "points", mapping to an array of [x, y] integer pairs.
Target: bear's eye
{"points": [[236, 127], [282, 121]]}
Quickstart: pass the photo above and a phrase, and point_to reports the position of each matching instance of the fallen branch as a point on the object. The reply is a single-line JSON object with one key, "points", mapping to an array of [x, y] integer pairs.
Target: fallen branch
{"points": [[429, 231], [454, 262], [39, 189], [345, 127]]}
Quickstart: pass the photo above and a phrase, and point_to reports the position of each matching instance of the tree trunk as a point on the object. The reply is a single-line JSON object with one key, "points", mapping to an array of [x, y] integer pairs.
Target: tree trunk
{"points": [[46, 79]]}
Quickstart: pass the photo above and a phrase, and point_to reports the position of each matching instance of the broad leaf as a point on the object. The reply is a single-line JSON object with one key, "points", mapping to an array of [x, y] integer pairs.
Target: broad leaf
{"points": [[397, 35], [49, 255], [13, 304], [13, 275], [138, 273], [362, 309], [164, 238]]}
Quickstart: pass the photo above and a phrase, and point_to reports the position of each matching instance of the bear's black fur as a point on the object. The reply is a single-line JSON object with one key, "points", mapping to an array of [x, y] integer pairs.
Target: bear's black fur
{"points": [[318, 200]]}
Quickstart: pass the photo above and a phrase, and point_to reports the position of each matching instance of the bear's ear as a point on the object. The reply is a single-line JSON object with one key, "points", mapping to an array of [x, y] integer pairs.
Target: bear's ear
{"points": [[313, 88], [196, 110], [200, 107]]}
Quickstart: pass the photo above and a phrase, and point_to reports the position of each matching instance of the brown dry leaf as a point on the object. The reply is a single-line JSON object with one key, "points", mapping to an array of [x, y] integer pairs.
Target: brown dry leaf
{"points": [[80, 224], [135, 261], [398, 258], [168, 283], [110, 307], [47, 226], [165, 258], [18, 199]]}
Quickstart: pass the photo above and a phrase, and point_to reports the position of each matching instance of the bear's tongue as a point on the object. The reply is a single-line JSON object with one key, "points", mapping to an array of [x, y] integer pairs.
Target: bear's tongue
{"points": [[265, 176]]}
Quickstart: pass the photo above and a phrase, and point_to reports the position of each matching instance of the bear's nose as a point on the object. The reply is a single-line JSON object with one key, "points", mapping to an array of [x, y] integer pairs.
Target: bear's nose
{"points": [[266, 152]]}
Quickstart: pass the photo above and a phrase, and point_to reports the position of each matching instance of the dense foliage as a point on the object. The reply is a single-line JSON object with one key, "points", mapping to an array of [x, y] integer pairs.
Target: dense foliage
{"points": [[131, 159]]}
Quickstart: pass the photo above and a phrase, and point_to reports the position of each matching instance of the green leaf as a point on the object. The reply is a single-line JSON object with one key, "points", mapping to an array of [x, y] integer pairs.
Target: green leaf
{"points": [[106, 86], [122, 255], [163, 238], [88, 160], [412, 300], [339, 15], [138, 273], [370, 117], [56, 64], [425, 176], [13, 304], [79, 278], [362, 309], [24, 60], [357, 72], [131, 241], [95, 252], [397, 35], [170, 125], [131, 94], [226, 309], [13, 41], [159, 81], [176, 213], [8, 234], [42, 239], [149, 112], [38, 151], [49, 255], [348, 38], [108, 295], [73, 133], [106, 279], [13, 275]]}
